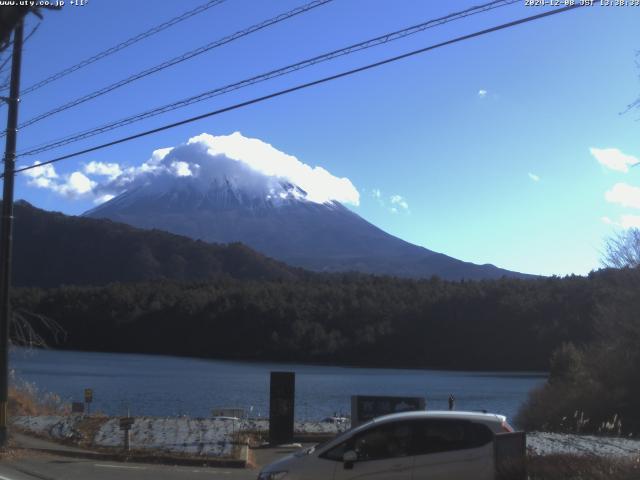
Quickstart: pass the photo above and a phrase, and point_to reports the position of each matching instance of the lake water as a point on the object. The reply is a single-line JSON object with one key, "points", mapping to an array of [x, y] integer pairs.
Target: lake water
{"points": [[162, 386]]}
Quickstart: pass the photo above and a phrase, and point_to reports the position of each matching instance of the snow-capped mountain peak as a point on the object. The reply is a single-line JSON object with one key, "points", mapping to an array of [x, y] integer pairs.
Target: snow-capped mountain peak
{"points": [[233, 189]]}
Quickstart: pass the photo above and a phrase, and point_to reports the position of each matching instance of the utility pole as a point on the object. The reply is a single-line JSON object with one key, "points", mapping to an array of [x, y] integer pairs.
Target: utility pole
{"points": [[6, 227]]}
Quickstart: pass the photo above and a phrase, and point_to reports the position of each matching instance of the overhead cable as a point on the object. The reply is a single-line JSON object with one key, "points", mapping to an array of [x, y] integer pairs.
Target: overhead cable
{"points": [[176, 60], [373, 42], [121, 46], [304, 86]]}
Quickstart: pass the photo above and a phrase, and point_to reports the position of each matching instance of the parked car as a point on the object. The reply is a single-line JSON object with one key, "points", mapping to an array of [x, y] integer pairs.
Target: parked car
{"points": [[335, 419], [448, 445]]}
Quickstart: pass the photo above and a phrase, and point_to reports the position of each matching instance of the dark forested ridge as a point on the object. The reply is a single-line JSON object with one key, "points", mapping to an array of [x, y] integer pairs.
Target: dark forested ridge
{"points": [[52, 249], [339, 318]]}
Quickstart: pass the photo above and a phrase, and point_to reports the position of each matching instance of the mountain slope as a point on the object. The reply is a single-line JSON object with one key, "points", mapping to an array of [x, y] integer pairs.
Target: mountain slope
{"points": [[320, 237], [196, 191], [52, 249]]}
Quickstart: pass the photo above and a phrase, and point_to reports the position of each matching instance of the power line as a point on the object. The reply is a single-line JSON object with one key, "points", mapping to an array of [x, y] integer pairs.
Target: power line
{"points": [[122, 45], [4, 64], [179, 59], [389, 37], [305, 85]]}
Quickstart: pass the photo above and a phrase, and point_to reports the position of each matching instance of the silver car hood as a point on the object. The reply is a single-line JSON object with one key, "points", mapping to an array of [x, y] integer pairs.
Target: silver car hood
{"points": [[282, 464]]}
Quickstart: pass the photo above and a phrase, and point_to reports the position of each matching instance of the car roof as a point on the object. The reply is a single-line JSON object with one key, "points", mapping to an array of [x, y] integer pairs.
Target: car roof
{"points": [[460, 415], [481, 417]]}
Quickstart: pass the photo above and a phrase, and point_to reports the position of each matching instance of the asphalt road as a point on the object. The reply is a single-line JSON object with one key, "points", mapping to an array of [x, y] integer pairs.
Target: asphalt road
{"points": [[28, 466], [21, 464]]}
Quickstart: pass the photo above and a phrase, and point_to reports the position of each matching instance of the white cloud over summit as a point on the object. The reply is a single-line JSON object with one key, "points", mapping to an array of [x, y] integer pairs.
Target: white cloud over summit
{"points": [[320, 185], [249, 161]]}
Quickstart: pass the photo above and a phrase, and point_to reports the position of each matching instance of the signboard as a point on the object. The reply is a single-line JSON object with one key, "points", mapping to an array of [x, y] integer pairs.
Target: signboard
{"points": [[77, 407], [510, 454], [88, 395], [367, 407], [228, 412], [281, 403]]}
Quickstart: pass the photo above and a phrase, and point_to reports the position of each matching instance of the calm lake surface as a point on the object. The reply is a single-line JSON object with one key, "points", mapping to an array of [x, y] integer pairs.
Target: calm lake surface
{"points": [[163, 386]]}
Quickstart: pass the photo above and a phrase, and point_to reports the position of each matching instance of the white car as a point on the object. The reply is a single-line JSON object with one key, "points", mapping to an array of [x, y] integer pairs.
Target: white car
{"points": [[448, 445], [334, 419]]}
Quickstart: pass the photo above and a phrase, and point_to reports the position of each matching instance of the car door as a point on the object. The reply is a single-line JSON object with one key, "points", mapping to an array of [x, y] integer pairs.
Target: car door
{"points": [[383, 453], [450, 449]]}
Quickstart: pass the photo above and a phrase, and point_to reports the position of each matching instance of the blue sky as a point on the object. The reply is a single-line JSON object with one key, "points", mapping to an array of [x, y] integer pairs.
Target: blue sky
{"points": [[481, 150]]}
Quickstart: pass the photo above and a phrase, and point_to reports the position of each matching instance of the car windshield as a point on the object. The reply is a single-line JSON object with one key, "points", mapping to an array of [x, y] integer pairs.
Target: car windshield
{"points": [[321, 445]]}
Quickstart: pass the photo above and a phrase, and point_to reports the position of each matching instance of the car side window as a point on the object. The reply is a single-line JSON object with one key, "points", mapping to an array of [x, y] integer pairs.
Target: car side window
{"points": [[480, 435], [386, 441], [416, 438], [436, 436], [337, 452]]}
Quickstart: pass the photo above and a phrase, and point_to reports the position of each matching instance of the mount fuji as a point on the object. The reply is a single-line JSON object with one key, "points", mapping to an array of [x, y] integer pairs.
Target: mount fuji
{"points": [[235, 189]]}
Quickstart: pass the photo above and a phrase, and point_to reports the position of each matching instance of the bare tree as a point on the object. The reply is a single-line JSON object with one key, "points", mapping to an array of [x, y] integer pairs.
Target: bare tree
{"points": [[623, 249], [30, 329]]}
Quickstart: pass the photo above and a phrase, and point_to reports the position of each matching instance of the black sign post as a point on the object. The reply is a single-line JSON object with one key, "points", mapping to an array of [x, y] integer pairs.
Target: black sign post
{"points": [[88, 397], [367, 407], [281, 404]]}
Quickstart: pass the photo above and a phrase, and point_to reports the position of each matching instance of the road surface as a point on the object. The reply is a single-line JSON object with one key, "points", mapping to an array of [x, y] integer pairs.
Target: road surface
{"points": [[48, 467], [53, 461]]}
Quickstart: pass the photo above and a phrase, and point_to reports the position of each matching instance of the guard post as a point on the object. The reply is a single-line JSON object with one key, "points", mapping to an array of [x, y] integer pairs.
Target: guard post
{"points": [[281, 407]]}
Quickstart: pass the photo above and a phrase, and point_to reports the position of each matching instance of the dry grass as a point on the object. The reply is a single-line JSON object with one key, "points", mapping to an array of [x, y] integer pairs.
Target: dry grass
{"points": [[26, 399], [577, 467]]}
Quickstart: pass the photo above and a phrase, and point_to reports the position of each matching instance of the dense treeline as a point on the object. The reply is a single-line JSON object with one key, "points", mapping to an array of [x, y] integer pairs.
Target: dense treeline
{"points": [[357, 319]]}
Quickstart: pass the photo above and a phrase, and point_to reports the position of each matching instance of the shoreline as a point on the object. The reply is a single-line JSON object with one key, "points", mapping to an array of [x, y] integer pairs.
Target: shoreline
{"points": [[528, 373]]}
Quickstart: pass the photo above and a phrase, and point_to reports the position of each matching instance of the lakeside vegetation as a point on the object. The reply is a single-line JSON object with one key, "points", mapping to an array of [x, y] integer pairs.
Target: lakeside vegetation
{"points": [[25, 399], [593, 387]]}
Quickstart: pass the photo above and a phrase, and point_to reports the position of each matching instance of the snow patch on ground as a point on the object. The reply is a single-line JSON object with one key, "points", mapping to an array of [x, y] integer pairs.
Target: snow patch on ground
{"points": [[183, 435], [544, 443], [55, 426], [208, 437], [214, 437]]}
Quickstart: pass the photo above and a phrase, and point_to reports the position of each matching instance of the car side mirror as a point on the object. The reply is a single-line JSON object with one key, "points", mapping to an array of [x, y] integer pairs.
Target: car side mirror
{"points": [[349, 458]]}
